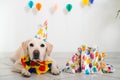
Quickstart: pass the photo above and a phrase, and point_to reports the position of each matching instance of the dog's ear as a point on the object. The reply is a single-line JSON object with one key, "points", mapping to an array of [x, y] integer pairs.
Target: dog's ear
{"points": [[25, 47], [49, 48]]}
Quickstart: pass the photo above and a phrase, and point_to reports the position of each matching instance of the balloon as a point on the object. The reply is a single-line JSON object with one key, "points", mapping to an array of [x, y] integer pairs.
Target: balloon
{"points": [[103, 65], [87, 52], [84, 57], [103, 55], [88, 61], [91, 55], [99, 57], [30, 4], [38, 6], [90, 65], [96, 54], [55, 6], [94, 69], [67, 64], [91, 1], [85, 2], [83, 67], [98, 67], [83, 48], [87, 71], [95, 63], [73, 58], [69, 7]]}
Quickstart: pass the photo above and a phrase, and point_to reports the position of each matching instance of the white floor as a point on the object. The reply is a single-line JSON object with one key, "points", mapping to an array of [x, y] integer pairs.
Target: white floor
{"points": [[111, 58]]}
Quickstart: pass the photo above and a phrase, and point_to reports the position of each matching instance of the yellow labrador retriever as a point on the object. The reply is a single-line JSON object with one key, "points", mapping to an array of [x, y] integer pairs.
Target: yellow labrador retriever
{"points": [[37, 50]]}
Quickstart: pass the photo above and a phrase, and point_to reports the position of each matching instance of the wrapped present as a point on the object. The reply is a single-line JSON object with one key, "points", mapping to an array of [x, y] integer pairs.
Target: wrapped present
{"points": [[91, 59], [73, 64], [108, 69], [87, 60]]}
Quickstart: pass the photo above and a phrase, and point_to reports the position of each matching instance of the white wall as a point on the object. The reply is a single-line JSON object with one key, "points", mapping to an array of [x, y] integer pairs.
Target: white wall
{"points": [[93, 25]]}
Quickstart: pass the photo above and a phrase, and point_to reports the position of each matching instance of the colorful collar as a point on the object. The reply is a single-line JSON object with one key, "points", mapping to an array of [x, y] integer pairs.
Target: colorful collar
{"points": [[38, 67]]}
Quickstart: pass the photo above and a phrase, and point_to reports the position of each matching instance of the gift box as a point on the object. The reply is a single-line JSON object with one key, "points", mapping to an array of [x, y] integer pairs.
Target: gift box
{"points": [[91, 59], [87, 60], [73, 64]]}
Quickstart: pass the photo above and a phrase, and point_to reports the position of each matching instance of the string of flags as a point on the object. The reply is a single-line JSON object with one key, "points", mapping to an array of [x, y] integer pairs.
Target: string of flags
{"points": [[36, 7]]}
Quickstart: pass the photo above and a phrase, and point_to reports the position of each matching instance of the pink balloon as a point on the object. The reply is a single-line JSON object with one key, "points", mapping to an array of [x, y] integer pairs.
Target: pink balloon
{"points": [[91, 55]]}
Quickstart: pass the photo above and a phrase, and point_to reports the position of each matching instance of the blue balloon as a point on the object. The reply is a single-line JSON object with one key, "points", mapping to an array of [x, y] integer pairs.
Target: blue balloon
{"points": [[87, 72], [91, 1], [87, 52], [94, 69], [30, 4]]}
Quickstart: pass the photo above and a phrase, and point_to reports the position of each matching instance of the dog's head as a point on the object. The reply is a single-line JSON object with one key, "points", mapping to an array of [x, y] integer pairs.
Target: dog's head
{"points": [[36, 49]]}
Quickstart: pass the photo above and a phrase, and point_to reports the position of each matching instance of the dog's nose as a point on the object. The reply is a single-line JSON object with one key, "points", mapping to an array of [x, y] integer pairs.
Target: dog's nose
{"points": [[36, 54]]}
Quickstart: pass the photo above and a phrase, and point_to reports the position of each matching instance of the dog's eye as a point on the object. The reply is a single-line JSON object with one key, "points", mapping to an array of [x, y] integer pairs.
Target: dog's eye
{"points": [[42, 45], [31, 44]]}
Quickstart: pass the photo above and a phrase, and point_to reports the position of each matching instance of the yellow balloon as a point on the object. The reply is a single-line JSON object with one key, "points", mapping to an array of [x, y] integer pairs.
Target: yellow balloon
{"points": [[85, 2], [88, 61]]}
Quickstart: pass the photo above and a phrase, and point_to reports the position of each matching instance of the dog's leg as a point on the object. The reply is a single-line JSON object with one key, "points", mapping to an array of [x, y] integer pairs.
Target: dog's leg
{"points": [[17, 67], [54, 68]]}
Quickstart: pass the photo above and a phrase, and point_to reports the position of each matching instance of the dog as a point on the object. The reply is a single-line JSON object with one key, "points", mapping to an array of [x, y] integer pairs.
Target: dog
{"points": [[37, 50]]}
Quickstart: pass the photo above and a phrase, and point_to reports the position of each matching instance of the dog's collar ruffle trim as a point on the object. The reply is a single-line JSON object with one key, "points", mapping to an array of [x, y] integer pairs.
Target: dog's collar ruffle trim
{"points": [[38, 67]]}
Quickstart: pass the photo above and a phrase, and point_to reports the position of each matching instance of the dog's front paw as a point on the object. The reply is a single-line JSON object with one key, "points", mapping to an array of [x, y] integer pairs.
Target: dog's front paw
{"points": [[55, 71], [25, 73]]}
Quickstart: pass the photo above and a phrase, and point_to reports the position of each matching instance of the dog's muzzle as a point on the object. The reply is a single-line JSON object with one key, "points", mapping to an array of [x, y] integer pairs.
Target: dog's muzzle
{"points": [[36, 54]]}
